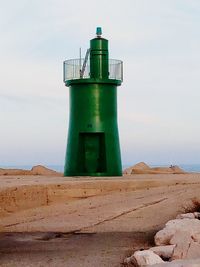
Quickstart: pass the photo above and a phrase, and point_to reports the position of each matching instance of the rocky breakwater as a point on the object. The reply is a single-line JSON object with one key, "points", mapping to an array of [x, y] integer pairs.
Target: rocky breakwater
{"points": [[143, 168], [177, 245], [36, 170]]}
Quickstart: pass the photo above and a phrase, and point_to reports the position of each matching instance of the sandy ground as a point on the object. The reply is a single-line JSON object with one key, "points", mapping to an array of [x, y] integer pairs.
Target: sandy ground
{"points": [[57, 221]]}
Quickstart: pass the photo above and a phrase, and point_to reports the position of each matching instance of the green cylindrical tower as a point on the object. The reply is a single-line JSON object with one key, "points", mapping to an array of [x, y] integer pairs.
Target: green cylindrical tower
{"points": [[93, 142]]}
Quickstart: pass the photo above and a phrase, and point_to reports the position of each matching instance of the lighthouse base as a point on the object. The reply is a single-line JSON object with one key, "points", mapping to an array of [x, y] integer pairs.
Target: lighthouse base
{"points": [[91, 158], [93, 142]]}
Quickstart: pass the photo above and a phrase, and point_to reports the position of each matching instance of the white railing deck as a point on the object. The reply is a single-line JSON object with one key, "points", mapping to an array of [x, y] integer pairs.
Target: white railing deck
{"points": [[72, 69]]}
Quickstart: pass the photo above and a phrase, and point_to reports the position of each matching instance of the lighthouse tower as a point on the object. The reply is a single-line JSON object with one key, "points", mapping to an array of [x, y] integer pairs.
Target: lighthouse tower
{"points": [[93, 142]]}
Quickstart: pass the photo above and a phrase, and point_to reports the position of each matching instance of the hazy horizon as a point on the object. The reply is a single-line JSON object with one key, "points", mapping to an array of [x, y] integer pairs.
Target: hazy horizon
{"points": [[158, 102]]}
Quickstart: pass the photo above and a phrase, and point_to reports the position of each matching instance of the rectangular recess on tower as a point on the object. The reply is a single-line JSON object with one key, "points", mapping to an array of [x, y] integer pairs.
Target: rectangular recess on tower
{"points": [[91, 153]]}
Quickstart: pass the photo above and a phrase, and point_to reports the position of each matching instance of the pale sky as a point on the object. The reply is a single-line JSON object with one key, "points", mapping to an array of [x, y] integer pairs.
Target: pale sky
{"points": [[158, 103]]}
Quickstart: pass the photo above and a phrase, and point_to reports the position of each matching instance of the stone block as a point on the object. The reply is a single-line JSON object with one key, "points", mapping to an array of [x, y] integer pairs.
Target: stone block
{"points": [[163, 237], [164, 251], [145, 258]]}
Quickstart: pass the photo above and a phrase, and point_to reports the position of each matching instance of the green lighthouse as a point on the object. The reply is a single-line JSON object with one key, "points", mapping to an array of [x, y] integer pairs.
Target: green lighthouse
{"points": [[93, 142]]}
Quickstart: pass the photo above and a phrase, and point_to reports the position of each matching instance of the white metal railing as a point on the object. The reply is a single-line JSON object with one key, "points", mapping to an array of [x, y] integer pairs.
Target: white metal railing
{"points": [[115, 69], [72, 69]]}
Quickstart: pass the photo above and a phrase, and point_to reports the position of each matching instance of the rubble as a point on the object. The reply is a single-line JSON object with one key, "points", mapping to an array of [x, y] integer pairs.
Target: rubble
{"points": [[165, 252], [177, 245], [163, 237], [143, 258]]}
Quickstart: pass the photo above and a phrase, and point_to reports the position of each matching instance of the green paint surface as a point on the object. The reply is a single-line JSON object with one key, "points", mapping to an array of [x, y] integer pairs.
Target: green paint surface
{"points": [[93, 142]]}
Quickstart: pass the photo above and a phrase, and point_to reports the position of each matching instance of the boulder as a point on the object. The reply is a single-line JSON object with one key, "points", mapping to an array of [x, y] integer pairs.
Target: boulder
{"points": [[163, 237], [165, 252], [144, 258]]}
